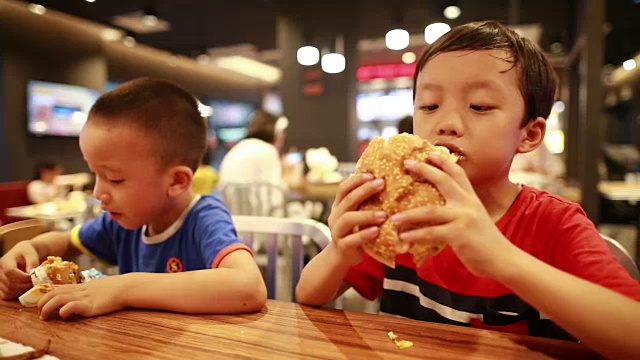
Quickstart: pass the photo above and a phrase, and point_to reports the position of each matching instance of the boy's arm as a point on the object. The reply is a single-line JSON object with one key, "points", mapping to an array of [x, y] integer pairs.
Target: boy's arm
{"points": [[54, 243], [596, 315], [236, 286], [322, 279]]}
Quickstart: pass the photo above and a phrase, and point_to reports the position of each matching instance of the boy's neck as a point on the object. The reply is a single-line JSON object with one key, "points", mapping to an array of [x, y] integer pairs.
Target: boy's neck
{"points": [[498, 197], [174, 209]]}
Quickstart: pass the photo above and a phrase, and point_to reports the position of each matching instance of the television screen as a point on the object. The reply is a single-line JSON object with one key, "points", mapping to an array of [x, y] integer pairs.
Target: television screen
{"points": [[58, 109], [230, 113]]}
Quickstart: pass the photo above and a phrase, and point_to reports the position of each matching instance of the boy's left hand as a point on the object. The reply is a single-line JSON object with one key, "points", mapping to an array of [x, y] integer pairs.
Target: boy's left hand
{"points": [[97, 297], [463, 223]]}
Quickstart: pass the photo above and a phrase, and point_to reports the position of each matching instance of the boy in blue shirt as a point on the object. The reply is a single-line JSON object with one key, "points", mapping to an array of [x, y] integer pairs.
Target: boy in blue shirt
{"points": [[176, 250]]}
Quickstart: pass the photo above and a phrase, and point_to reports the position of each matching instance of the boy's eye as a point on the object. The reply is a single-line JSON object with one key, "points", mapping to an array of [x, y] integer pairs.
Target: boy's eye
{"points": [[429, 107], [481, 108], [115, 181]]}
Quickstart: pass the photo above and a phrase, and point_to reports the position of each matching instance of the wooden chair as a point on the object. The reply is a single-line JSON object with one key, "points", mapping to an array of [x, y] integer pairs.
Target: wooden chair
{"points": [[13, 233]]}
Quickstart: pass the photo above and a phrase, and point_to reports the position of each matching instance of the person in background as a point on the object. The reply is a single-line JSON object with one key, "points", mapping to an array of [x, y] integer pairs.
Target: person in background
{"points": [[256, 159], [406, 125], [206, 177], [176, 250], [43, 187]]}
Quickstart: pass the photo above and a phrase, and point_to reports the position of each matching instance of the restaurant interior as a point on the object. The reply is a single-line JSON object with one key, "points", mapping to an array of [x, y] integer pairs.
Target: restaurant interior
{"points": [[335, 75]]}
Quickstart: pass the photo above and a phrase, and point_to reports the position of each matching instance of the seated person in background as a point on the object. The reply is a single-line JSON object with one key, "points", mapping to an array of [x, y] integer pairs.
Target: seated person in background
{"points": [[256, 159], [406, 125], [176, 251], [43, 187], [206, 177], [484, 92]]}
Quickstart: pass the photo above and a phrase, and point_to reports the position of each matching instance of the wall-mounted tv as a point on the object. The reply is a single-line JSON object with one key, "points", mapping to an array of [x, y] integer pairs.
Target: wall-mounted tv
{"points": [[230, 113], [58, 109]]}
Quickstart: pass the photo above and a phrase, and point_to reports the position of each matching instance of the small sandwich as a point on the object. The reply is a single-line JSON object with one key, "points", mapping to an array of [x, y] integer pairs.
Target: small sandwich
{"points": [[52, 271], [403, 191], [33, 296]]}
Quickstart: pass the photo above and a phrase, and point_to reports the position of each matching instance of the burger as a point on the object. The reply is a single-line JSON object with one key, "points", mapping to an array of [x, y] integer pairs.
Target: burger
{"points": [[53, 271], [403, 191]]}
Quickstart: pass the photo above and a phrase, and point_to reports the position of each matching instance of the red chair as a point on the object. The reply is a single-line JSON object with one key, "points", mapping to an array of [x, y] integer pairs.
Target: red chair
{"points": [[12, 194]]}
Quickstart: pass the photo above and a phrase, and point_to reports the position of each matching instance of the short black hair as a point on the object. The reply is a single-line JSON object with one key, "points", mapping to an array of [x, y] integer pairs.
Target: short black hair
{"points": [[165, 111], [538, 80]]}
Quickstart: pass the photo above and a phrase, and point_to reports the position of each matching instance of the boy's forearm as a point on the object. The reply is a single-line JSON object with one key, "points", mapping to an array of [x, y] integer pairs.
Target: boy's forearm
{"points": [[213, 291], [597, 316], [322, 278], [54, 243]]}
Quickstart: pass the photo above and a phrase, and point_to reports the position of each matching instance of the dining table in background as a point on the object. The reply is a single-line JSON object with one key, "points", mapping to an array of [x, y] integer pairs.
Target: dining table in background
{"points": [[281, 330]]}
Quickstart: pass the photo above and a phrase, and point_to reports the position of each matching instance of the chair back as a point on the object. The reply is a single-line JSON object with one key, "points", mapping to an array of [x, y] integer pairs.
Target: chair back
{"points": [[623, 256], [277, 231], [255, 199], [13, 233]]}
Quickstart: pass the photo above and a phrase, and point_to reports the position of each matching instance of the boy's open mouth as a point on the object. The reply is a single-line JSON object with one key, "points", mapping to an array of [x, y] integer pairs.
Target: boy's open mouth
{"points": [[453, 149]]}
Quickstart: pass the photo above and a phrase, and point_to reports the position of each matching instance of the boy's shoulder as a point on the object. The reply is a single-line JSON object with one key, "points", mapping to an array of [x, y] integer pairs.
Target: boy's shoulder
{"points": [[534, 199], [209, 210]]}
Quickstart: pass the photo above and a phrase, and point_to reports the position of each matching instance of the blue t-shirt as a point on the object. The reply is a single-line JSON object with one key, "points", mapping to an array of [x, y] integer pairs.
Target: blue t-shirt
{"points": [[205, 237]]}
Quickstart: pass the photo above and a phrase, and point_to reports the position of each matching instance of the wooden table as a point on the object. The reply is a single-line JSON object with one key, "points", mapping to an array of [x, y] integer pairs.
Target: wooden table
{"points": [[281, 331]]}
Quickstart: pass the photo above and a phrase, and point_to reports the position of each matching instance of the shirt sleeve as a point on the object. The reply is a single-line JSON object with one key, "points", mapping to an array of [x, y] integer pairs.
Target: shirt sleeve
{"points": [[367, 277], [579, 249], [216, 233], [97, 238]]}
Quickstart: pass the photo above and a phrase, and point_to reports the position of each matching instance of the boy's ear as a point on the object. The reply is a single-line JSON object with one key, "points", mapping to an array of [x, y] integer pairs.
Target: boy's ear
{"points": [[532, 135], [180, 180]]}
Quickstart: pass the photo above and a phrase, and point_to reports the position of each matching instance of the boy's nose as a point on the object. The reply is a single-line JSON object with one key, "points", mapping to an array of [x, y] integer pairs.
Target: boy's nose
{"points": [[450, 127], [99, 193]]}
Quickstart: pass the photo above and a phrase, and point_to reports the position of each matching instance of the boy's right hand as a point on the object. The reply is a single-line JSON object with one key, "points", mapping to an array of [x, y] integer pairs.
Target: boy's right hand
{"points": [[345, 217], [15, 267]]}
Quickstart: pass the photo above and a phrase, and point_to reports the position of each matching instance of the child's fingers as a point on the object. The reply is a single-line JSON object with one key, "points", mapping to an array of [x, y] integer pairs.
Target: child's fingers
{"points": [[445, 184], [353, 199], [426, 215], [427, 234], [350, 184], [356, 239], [452, 168], [49, 305], [345, 224], [75, 308]]}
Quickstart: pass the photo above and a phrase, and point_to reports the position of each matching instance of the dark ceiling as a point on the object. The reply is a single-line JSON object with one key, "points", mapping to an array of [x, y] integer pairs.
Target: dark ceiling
{"points": [[200, 24]]}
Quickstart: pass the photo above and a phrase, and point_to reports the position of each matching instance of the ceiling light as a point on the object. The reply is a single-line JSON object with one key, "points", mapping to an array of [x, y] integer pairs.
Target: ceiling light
{"points": [[90, 1], [629, 64], [333, 63], [452, 12], [173, 61], [129, 41], [249, 67], [409, 57], [111, 34], [559, 106], [37, 9], [203, 59], [397, 39], [150, 20], [308, 55], [141, 22], [433, 32]]}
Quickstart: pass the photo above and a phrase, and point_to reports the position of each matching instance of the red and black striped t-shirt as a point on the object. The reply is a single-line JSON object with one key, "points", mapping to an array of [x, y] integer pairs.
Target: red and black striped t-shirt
{"points": [[442, 290]]}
